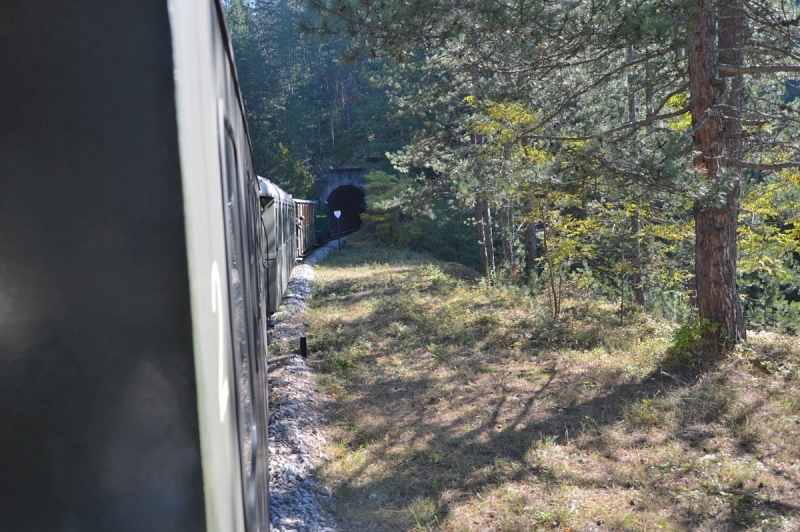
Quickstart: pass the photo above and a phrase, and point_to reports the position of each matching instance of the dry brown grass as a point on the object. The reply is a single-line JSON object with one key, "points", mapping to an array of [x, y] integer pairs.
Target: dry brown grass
{"points": [[462, 408]]}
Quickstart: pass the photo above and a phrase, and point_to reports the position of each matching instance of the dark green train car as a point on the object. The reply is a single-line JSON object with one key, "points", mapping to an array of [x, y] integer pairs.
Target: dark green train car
{"points": [[305, 227], [279, 244]]}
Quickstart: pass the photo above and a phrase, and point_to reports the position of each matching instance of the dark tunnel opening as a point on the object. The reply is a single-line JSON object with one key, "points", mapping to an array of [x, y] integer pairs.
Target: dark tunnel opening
{"points": [[349, 200]]}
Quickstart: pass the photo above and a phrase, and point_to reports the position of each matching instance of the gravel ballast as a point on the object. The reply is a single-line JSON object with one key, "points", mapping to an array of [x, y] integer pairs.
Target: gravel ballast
{"points": [[296, 423]]}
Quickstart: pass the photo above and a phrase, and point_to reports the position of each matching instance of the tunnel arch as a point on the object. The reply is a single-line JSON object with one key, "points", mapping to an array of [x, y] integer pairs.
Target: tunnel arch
{"points": [[350, 200]]}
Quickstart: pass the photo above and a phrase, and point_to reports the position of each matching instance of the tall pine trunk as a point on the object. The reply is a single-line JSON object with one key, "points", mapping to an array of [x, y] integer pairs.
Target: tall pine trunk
{"points": [[485, 237], [636, 260], [319, 128], [507, 233], [531, 249], [483, 213], [718, 142]]}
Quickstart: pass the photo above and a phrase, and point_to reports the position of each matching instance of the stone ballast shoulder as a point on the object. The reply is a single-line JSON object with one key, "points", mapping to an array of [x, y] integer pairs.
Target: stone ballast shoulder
{"points": [[296, 423]]}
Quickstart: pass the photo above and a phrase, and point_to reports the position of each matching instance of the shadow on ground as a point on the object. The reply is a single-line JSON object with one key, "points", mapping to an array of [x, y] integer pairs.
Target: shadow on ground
{"points": [[439, 411]]}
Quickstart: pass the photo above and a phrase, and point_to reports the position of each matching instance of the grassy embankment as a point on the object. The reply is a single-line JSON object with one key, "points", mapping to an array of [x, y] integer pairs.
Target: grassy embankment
{"points": [[462, 408]]}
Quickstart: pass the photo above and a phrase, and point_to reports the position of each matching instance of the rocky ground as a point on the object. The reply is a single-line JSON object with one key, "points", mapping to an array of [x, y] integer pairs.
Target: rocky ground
{"points": [[296, 423]]}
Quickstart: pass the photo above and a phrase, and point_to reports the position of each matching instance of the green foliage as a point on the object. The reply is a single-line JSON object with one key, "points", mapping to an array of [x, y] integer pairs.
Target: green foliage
{"points": [[389, 208], [690, 344], [569, 120], [402, 211], [769, 243], [307, 111], [293, 174]]}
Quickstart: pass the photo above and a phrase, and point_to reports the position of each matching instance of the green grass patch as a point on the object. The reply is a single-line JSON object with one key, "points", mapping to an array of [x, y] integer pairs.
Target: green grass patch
{"points": [[460, 407]]}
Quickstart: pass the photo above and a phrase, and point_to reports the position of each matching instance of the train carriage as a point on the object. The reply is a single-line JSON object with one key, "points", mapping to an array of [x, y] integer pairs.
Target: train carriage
{"points": [[133, 371], [305, 230], [279, 244]]}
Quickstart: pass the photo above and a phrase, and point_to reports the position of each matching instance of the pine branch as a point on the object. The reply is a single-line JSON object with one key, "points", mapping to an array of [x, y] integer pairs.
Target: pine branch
{"points": [[610, 74], [763, 49], [730, 70], [766, 166], [630, 125]]}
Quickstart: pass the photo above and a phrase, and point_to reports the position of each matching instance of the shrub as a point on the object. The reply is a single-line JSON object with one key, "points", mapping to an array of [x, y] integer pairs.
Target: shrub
{"points": [[690, 343]]}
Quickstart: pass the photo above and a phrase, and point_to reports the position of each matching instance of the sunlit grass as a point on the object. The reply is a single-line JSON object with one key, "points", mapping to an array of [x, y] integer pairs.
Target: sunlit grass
{"points": [[466, 408]]}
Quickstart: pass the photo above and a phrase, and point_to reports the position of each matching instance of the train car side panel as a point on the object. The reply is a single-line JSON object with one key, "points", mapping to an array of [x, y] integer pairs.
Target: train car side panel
{"points": [[225, 271], [278, 216], [199, 116]]}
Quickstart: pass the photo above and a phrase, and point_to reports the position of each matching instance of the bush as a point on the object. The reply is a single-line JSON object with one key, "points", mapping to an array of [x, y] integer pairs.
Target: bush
{"points": [[690, 344]]}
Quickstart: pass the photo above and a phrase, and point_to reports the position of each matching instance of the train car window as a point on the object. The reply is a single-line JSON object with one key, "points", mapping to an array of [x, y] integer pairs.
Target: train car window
{"points": [[289, 225], [283, 224], [253, 249], [278, 231], [234, 217], [258, 346]]}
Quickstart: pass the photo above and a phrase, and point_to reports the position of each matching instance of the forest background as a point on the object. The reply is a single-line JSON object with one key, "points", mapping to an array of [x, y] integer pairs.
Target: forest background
{"points": [[641, 151]]}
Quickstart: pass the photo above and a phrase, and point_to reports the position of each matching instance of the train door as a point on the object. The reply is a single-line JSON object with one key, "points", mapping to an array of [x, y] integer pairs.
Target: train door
{"points": [[270, 250]]}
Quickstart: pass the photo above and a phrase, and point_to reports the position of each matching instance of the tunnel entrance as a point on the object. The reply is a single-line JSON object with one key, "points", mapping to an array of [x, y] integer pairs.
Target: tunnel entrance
{"points": [[349, 200]]}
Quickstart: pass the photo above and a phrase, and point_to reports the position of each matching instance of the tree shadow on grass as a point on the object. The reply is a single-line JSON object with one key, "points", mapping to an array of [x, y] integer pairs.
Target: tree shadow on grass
{"points": [[432, 424], [427, 452]]}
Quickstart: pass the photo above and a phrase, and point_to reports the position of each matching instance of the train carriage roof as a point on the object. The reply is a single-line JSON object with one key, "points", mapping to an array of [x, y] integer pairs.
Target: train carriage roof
{"points": [[273, 191]]}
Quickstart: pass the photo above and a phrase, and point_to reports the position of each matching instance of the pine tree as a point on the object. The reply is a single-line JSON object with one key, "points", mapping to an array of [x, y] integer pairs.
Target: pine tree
{"points": [[587, 67]]}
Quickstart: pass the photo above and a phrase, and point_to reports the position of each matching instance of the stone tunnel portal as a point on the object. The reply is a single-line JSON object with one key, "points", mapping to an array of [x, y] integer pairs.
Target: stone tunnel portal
{"points": [[349, 200]]}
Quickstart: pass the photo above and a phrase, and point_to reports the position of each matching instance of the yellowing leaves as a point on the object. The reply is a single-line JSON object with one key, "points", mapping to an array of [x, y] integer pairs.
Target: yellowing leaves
{"points": [[504, 128], [768, 230], [679, 100], [532, 155], [511, 114], [683, 122]]}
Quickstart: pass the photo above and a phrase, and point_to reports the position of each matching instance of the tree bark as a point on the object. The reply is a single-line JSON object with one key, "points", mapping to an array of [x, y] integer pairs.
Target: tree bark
{"points": [[531, 244], [485, 245], [483, 211], [319, 128], [531, 248], [507, 233], [636, 261], [716, 138]]}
